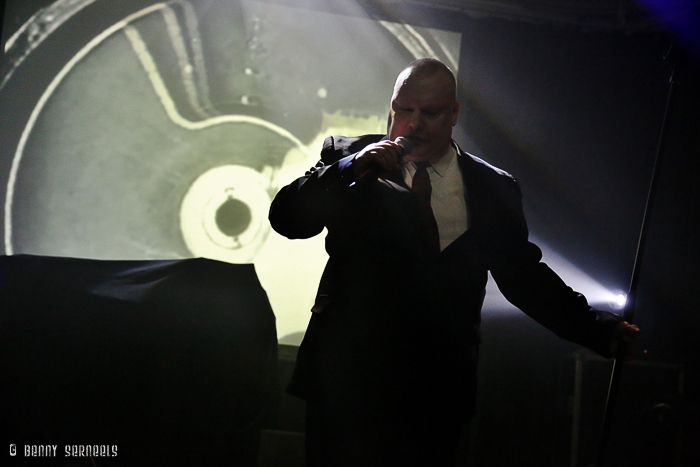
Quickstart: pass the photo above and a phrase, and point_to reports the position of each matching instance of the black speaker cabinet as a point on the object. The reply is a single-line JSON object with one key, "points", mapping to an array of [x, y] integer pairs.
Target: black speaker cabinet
{"points": [[647, 427]]}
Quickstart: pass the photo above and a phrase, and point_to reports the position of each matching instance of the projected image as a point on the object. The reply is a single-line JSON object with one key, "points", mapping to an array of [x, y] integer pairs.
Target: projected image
{"points": [[144, 130]]}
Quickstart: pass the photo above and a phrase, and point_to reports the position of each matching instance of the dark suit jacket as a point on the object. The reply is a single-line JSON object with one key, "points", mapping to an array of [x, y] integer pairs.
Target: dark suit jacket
{"points": [[402, 323]]}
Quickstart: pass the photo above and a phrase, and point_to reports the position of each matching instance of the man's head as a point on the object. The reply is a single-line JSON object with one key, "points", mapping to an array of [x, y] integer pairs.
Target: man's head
{"points": [[424, 108]]}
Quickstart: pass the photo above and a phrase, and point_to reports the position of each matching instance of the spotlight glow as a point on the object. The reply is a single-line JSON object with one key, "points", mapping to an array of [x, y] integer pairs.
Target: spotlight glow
{"points": [[618, 300], [599, 296]]}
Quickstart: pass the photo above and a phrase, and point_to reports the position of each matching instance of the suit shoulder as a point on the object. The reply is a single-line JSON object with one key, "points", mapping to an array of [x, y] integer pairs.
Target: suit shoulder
{"points": [[336, 147], [483, 166], [489, 182]]}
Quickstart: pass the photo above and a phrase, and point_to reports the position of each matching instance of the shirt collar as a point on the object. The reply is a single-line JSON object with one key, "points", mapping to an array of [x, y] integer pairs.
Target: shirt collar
{"points": [[440, 167], [444, 162]]}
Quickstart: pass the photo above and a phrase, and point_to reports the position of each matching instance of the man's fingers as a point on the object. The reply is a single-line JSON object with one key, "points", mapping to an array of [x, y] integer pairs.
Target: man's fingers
{"points": [[384, 155], [628, 333]]}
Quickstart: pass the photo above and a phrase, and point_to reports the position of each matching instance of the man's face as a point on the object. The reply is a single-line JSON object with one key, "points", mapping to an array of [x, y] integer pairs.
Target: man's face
{"points": [[423, 108]]}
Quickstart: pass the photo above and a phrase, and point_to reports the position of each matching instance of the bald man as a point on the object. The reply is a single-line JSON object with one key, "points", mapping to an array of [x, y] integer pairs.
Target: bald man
{"points": [[388, 362]]}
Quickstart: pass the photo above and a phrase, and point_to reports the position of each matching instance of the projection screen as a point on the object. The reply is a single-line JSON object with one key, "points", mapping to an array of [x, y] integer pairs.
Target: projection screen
{"points": [[162, 130]]}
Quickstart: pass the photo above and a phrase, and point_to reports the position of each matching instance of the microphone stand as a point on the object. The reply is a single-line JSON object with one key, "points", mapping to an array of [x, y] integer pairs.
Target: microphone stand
{"points": [[628, 313]]}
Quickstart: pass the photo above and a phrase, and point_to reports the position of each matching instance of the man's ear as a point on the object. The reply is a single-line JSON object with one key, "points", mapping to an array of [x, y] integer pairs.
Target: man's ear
{"points": [[455, 113]]}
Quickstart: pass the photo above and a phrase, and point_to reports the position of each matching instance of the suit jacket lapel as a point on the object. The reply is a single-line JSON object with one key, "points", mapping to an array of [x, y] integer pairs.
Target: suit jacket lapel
{"points": [[396, 177], [472, 187]]}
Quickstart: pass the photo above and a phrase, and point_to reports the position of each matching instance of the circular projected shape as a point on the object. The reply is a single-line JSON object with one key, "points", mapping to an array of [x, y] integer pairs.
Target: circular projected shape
{"points": [[233, 217], [224, 214], [105, 178], [133, 124]]}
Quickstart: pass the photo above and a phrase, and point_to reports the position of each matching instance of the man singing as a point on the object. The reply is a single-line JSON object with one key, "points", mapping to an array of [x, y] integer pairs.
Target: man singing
{"points": [[388, 362]]}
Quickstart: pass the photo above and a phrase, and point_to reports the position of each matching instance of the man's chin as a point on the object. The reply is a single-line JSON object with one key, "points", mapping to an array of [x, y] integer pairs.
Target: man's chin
{"points": [[418, 146], [418, 156], [424, 151]]}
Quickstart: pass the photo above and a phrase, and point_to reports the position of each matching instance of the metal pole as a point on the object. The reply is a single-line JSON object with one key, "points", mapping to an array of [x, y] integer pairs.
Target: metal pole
{"points": [[628, 314], [576, 415]]}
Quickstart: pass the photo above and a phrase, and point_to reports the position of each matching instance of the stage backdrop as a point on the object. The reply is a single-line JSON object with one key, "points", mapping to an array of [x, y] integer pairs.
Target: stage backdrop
{"points": [[162, 130]]}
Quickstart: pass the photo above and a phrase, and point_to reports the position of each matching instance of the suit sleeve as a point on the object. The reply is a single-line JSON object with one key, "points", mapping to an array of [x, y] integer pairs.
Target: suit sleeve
{"points": [[304, 207], [538, 291]]}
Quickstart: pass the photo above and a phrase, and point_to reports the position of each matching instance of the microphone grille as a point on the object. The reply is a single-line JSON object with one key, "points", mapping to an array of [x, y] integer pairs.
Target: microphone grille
{"points": [[405, 143]]}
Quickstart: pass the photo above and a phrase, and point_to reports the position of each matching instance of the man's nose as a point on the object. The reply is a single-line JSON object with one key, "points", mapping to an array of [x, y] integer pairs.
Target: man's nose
{"points": [[416, 121]]}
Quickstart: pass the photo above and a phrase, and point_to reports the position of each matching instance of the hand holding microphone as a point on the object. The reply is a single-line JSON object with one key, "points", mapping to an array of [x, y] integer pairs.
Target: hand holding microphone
{"points": [[380, 158]]}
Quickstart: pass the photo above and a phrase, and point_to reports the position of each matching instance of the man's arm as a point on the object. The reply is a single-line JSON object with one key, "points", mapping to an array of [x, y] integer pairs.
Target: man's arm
{"points": [[303, 208], [539, 292], [300, 209]]}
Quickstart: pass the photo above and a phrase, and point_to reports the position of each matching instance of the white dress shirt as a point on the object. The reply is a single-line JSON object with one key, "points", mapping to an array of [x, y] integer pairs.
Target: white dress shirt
{"points": [[448, 195]]}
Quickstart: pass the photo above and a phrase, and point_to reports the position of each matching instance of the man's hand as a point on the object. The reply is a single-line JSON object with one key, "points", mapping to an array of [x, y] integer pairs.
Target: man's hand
{"points": [[628, 334], [382, 158]]}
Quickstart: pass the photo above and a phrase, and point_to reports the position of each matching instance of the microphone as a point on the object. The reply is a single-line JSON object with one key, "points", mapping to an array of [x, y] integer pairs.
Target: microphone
{"points": [[373, 171], [406, 145]]}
